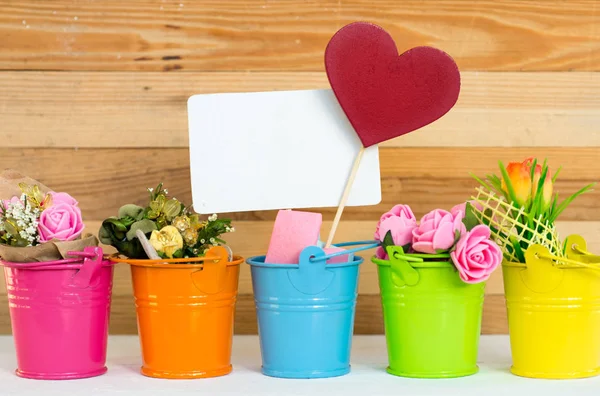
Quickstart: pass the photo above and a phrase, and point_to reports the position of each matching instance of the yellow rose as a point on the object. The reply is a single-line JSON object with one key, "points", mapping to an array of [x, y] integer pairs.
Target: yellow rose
{"points": [[168, 240]]}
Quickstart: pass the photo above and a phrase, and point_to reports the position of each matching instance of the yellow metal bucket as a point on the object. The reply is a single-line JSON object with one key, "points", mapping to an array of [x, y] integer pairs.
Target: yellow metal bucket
{"points": [[554, 313]]}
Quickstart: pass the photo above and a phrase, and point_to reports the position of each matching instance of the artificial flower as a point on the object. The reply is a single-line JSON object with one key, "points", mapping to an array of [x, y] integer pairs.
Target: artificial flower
{"points": [[400, 222], [62, 197], [437, 232], [182, 223], [157, 221], [190, 236], [475, 255], [60, 221], [168, 240], [520, 180], [461, 209], [520, 208]]}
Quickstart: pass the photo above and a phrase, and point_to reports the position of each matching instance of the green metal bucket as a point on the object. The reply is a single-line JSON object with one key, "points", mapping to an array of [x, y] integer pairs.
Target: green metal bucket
{"points": [[432, 319]]}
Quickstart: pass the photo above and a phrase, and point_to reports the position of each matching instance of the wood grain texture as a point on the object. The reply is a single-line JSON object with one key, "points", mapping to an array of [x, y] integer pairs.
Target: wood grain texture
{"points": [[368, 318], [290, 35], [425, 178], [128, 109], [252, 239]]}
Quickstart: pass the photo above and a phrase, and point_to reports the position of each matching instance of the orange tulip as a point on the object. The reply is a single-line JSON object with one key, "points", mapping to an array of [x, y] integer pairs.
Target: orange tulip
{"points": [[520, 178]]}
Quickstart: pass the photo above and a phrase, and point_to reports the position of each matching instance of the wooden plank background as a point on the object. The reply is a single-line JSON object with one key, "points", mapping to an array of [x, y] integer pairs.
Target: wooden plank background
{"points": [[94, 103]]}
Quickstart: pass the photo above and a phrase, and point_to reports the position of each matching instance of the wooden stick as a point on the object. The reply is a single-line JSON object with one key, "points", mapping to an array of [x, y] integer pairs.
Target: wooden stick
{"points": [[344, 199]]}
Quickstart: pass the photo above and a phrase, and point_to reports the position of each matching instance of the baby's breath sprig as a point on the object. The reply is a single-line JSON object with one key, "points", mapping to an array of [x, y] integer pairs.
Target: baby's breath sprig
{"points": [[18, 223]]}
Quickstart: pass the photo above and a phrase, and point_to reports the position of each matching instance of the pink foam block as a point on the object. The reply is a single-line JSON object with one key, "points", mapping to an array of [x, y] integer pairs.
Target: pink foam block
{"points": [[338, 259], [292, 232]]}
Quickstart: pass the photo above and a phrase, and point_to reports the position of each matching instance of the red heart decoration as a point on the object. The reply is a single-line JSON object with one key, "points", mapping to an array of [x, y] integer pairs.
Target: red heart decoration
{"points": [[383, 94]]}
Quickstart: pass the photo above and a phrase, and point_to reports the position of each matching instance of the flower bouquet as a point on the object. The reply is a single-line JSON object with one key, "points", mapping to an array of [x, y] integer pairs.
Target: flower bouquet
{"points": [[37, 224], [59, 285], [173, 230], [432, 277], [185, 285], [552, 287]]}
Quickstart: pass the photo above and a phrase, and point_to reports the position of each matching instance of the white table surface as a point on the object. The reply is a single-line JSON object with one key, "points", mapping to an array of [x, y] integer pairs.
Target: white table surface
{"points": [[368, 376]]}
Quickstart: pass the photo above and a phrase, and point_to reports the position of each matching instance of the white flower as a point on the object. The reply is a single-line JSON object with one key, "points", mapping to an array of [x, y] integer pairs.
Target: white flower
{"points": [[232, 229], [24, 217], [150, 189], [212, 240], [166, 191], [213, 217], [202, 241]]}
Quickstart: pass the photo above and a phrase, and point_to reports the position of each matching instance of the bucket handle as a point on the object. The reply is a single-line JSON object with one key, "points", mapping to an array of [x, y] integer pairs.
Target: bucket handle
{"points": [[575, 247], [541, 274], [367, 245], [92, 263], [211, 278], [403, 273], [312, 276]]}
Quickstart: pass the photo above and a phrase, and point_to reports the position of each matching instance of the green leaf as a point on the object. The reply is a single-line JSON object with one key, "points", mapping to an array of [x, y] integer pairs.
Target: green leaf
{"points": [[171, 209], [130, 210], [484, 184], [147, 226], [104, 235], [388, 240], [556, 175], [568, 201], [509, 186], [116, 228], [470, 220]]}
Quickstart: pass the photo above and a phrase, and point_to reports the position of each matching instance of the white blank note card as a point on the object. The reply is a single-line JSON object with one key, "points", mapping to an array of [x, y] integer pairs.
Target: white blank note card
{"points": [[275, 150]]}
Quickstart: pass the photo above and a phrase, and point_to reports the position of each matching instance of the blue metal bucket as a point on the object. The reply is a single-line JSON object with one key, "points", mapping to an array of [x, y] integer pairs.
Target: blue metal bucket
{"points": [[306, 313]]}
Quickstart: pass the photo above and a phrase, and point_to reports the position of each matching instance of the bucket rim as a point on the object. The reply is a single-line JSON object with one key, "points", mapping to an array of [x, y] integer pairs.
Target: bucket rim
{"points": [[259, 261], [422, 264], [74, 263], [183, 263], [514, 264]]}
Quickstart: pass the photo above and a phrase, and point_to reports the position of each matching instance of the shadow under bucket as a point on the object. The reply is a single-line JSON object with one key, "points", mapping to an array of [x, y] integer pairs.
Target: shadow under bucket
{"points": [[554, 314], [305, 314], [185, 314], [59, 314], [432, 319]]}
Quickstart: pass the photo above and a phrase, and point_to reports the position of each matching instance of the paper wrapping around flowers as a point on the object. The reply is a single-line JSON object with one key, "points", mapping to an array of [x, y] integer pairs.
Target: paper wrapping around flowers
{"points": [[9, 184], [49, 251]]}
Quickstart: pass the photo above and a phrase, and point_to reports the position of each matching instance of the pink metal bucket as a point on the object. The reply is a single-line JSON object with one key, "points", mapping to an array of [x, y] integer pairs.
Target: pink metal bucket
{"points": [[59, 312]]}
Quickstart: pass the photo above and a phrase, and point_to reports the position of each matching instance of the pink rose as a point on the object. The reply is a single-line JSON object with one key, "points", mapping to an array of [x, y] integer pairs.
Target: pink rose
{"points": [[60, 221], [463, 208], [476, 256], [437, 232], [62, 197], [401, 221]]}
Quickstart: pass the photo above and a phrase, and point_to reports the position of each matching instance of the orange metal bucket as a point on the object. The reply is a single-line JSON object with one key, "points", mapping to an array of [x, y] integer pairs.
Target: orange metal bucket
{"points": [[185, 314]]}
